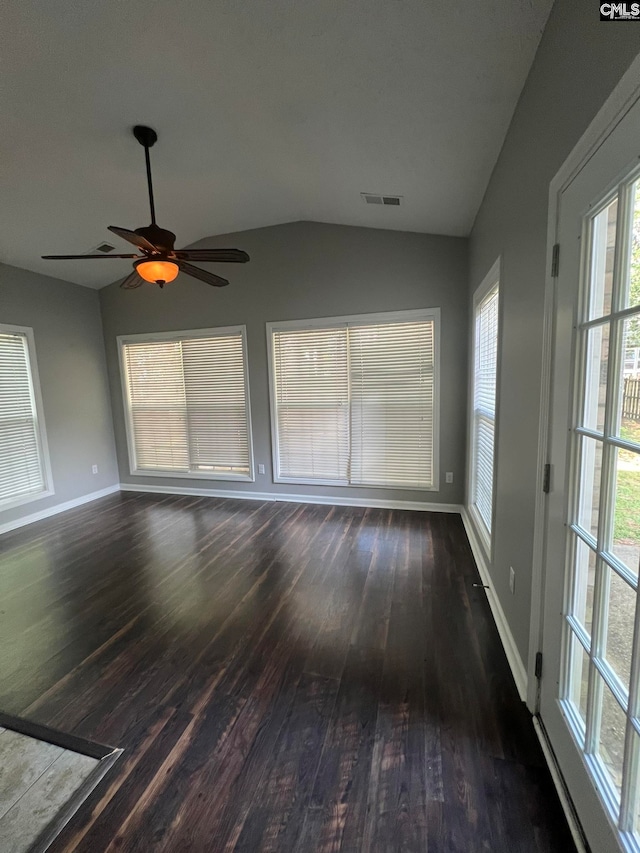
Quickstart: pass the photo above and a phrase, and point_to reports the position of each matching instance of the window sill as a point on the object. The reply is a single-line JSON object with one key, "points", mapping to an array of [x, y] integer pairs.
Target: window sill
{"points": [[345, 484], [182, 475], [25, 499]]}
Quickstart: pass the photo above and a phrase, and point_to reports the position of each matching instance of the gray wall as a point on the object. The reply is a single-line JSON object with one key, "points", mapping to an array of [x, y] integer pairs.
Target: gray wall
{"points": [[578, 64], [304, 270], [65, 319]]}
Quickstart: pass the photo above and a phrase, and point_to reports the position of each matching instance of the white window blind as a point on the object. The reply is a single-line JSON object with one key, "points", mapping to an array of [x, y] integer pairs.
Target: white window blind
{"points": [[187, 401], [312, 403], [484, 404], [22, 469], [355, 403], [392, 404]]}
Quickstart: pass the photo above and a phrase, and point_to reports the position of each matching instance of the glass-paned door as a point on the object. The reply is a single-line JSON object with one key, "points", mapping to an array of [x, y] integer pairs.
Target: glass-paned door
{"points": [[590, 692]]}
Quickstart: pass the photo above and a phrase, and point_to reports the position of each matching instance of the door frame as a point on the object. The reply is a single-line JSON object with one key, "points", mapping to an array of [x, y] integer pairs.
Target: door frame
{"points": [[617, 105]]}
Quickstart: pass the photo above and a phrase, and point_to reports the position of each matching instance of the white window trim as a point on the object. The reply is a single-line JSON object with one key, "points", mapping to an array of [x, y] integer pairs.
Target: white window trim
{"points": [[41, 430], [492, 278], [358, 320], [219, 331]]}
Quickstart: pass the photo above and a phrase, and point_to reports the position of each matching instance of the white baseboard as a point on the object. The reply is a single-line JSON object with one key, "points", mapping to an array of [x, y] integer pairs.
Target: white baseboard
{"points": [[560, 786], [514, 658], [333, 500], [54, 510]]}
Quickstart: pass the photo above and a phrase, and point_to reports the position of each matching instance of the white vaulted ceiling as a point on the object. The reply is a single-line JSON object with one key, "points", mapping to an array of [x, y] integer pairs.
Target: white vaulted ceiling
{"points": [[267, 111]]}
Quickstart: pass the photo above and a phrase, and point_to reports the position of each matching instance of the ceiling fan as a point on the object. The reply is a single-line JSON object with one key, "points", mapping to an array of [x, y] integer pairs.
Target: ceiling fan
{"points": [[159, 263]]}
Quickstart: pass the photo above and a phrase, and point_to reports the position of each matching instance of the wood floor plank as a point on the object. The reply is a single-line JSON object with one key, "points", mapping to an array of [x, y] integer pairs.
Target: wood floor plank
{"points": [[99, 819], [282, 677], [337, 809], [401, 778], [274, 816]]}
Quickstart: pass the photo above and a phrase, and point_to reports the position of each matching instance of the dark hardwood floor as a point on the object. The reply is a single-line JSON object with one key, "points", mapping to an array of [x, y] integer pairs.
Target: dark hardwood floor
{"points": [[281, 676]]}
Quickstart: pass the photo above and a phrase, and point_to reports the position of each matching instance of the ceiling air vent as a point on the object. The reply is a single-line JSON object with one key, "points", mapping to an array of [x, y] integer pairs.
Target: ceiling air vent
{"points": [[105, 248], [372, 198]]}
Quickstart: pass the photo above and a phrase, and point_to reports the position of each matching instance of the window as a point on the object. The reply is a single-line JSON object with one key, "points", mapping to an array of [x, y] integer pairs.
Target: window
{"points": [[187, 404], [354, 400], [25, 474], [483, 427]]}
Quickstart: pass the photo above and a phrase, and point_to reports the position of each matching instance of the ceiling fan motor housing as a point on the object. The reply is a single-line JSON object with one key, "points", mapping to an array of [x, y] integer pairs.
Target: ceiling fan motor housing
{"points": [[159, 237]]}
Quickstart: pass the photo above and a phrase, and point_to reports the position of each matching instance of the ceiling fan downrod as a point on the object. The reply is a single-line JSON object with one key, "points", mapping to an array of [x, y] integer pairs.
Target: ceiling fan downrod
{"points": [[147, 137]]}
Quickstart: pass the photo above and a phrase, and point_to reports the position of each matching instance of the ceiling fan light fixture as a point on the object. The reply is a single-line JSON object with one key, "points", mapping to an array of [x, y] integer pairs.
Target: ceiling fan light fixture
{"points": [[157, 272]]}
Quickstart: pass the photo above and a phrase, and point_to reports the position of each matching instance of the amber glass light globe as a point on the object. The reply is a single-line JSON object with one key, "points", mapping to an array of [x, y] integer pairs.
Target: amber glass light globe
{"points": [[157, 272]]}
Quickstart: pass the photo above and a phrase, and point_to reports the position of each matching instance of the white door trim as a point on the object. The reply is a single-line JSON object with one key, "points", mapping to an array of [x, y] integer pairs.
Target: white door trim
{"points": [[617, 105]]}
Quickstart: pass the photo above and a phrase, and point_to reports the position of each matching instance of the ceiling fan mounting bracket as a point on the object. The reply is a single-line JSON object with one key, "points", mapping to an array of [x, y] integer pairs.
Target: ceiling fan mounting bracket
{"points": [[146, 136]]}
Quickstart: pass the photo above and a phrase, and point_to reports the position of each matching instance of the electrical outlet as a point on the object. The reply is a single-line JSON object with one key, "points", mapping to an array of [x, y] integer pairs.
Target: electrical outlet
{"points": [[94, 469], [261, 469], [448, 477], [512, 580]]}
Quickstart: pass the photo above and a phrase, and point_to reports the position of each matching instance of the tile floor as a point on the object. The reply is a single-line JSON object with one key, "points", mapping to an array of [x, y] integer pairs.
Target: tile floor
{"points": [[36, 780]]}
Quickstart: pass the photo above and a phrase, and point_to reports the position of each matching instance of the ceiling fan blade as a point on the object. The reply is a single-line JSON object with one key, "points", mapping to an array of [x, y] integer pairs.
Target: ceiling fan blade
{"points": [[131, 281], [133, 237], [203, 275], [82, 257], [221, 256]]}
